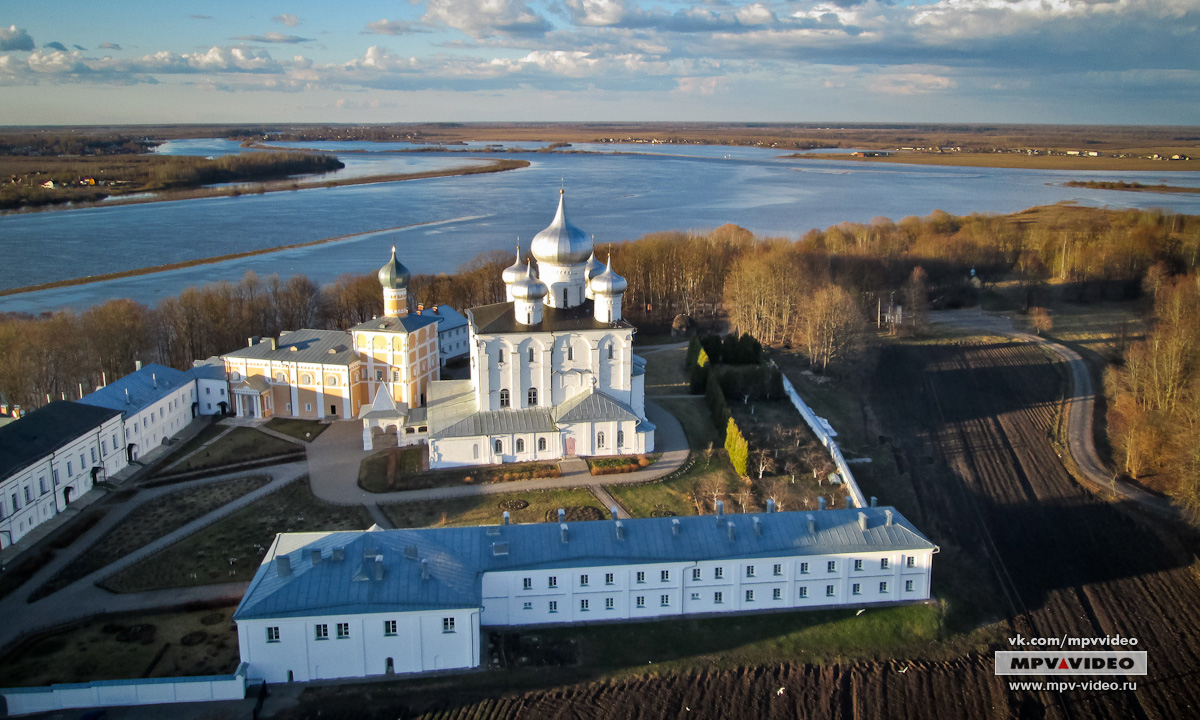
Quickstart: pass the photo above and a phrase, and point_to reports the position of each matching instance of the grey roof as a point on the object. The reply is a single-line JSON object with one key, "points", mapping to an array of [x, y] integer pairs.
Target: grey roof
{"points": [[448, 318], [403, 324], [145, 387], [41, 432], [458, 557], [210, 369], [500, 318], [449, 402], [383, 406], [593, 406], [501, 422], [304, 346]]}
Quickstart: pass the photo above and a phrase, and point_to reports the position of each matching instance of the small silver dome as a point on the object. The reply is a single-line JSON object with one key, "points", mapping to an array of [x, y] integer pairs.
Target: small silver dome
{"points": [[514, 272], [529, 287], [608, 282], [561, 243], [594, 267], [394, 275]]}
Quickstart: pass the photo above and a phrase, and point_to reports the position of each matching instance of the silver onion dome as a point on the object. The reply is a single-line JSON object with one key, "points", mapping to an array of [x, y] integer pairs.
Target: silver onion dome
{"points": [[561, 243], [608, 282], [394, 275], [514, 272], [593, 268], [529, 287]]}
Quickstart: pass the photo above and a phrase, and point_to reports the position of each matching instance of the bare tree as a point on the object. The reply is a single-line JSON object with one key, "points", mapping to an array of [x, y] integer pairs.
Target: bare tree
{"points": [[712, 488]]}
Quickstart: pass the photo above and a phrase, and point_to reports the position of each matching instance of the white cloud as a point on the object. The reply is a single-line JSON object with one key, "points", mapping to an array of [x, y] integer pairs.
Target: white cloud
{"points": [[384, 26], [910, 83], [274, 37], [14, 38], [287, 19], [487, 18], [109, 46]]}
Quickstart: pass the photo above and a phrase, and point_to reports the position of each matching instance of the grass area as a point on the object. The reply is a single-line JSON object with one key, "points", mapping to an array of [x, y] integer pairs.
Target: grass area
{"points": [[651, 339], [675, 495], [231, 549], [240, 443], [135, 645], [665, 374], [835, 400], [408, 472], [33, 559], [489, 509], [303, 430], [206, 434], [693, 415], [147, 523]]}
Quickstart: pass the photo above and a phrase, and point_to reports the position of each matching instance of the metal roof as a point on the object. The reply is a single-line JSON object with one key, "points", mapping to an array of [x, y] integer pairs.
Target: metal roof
{"points": [[501, 422], [403, 324], [448, 318], [593, 406], [316, 347], [457, 558], [561, 243], [499, 318], [138, 389], [41, 432]]}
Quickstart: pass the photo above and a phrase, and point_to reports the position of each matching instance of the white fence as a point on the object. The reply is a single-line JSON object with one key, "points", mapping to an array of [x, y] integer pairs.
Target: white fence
{"points": [[110, 693], [820, 426]]}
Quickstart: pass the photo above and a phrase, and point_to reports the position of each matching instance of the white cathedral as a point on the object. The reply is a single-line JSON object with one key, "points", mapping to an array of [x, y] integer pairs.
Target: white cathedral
{"points": [[553, 372]]}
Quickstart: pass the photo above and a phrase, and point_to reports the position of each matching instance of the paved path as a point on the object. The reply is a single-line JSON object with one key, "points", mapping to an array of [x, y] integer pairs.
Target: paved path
{"points": [[83, 599], [1080, 404], [333, 460], [609, 501]]}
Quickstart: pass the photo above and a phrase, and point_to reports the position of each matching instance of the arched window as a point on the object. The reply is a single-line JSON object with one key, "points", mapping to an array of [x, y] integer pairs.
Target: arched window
{"points": [[532, 397], [570, 352], [500, 355], [541, 443], [331, 380], [520, 445], [306, 379], [235, 376], [498, 446], [281, 377], [564, 297], [530, 356], [620, 438], [504, 398], [610, 352], [475, 451], [600, 439]]}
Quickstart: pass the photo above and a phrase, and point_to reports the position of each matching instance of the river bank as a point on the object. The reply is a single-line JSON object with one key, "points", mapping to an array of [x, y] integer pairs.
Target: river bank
{"points": [[1016, 161]]}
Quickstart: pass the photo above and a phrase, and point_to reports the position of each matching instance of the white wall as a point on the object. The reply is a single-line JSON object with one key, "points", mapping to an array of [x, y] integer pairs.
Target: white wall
{"points": [[113, 693], [420, 644], [210, 394], [149, 426]]}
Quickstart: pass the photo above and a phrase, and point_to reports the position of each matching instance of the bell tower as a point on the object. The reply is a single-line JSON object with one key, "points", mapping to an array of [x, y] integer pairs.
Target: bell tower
{"points": [[394, 277]]}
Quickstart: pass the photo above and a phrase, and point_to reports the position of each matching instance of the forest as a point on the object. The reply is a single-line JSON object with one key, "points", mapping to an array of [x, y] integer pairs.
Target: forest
{"points": [[819, 294]]}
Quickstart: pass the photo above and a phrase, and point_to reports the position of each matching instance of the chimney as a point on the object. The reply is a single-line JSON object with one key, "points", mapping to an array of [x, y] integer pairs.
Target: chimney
{"points": [[770, 505], [888, 514], [137, 365], [274, 344], [250, 342], [757, 526], [821, 503], [720, 512], [425, 569], [420, 307], [127, 400], [434, 308], [874, 501], [613, 510], [620, 530], [675, 527], [849, 502], [377, 568], [507, 517], [732, 532], [283, 565], [563, 528], [154, 379], [862, 521], [812, 524], [316, 556], [562, 515]]}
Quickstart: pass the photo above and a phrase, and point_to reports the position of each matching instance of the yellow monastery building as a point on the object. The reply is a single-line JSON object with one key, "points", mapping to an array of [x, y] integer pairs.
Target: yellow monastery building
{"points": [[333, 374]]}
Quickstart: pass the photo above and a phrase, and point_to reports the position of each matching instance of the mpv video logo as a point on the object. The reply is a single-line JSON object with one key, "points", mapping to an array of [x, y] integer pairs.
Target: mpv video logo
{"points": [[1065, 662]]}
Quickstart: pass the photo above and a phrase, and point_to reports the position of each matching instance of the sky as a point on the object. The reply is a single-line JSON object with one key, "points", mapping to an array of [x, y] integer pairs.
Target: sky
{"points": [[374, 61]]}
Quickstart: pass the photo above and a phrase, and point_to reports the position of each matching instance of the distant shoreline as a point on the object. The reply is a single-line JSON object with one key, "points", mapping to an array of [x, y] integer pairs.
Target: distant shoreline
{"points": [[1014, 161]]}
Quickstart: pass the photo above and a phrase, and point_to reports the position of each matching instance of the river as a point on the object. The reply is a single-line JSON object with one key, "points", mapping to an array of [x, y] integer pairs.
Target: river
{"points": [[616, 192]]}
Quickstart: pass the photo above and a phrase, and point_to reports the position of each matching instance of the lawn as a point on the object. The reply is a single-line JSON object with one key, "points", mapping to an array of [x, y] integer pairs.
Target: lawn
{"points": [[693, 414], [665, 374], [241, 443], [489, 509], [674, 496], [114, 647], [147, 523], [206, 434], [409, 472], [231, 549], [304, 430]]}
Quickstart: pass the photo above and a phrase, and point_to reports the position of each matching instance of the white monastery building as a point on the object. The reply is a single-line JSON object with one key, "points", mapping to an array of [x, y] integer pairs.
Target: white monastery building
{"points": [[354, 604], [553, 372]]}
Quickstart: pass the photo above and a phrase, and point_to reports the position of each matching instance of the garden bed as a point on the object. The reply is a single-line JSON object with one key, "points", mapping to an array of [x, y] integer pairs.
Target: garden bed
{"points": [[380, 473], [523, 507], [621, 463], [238, 445]]}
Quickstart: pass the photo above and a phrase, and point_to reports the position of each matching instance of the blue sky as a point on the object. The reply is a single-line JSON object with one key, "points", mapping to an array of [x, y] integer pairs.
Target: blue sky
{"points": [[1053, 61]]}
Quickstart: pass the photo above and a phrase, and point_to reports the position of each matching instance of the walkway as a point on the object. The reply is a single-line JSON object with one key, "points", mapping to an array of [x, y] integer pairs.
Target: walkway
{"points": [[1080, 404], [334, 457]]}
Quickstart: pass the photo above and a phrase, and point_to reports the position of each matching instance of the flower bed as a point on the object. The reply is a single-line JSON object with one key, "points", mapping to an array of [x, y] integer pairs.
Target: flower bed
{"points": [[621, 464]]}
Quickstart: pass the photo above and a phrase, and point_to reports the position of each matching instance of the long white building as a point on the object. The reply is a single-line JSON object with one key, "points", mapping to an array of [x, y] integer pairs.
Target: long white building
{"points": [[352, 604]]}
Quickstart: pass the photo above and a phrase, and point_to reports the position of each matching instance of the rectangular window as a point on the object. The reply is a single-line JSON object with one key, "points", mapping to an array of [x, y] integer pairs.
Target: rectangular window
{"points": [[528, 605], [749, 571], [641, 576], [696, 596], [883, 564], [343, 630], [665, 575], [553, 581], [93, 454], [908, 586], [448, 625], [828, 591], [608, 578], [378, 376], [272, 634], [307, 407], [803, 591], [583, 580], [665, 600], [395, 376], [114, 441], [777, 570], [28, 495], [718, 573], [103, 447], [911, 562], [609, 603], [70, 472], [831, 566], [883, 587], [695, 573], [583, 605], [857, 565], [389, 627], [777, 594], [641, 601], [718, 598], [553, 606], [42, 484], [856, 588], [803, 568], [322, 632], [527, 584]]}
